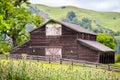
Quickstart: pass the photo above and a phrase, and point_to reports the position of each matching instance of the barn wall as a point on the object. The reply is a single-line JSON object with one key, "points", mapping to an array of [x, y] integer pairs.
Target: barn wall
{"points": [[87, 36], [23, 49], [67, 41], [84, 53]]}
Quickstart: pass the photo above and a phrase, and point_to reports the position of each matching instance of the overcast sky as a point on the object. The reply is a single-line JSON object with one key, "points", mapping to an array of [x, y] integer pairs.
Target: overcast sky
{"points": [[97, 5]]}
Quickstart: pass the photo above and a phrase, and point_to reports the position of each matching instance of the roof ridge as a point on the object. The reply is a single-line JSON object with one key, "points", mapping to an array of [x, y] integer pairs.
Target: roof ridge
{"points": [[75, 27]]}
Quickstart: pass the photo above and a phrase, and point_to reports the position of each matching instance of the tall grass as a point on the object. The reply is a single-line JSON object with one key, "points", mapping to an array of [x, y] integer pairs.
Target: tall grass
{"points": [[33, 70]]}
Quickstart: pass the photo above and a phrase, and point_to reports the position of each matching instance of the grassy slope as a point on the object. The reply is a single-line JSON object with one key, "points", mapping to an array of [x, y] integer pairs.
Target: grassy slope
{"points": [[103, 18]]}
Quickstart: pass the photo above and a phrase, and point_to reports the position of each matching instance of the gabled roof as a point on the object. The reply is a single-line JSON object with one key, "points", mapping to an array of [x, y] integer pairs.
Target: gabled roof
{"points": [[95, 45], [69, 25]]}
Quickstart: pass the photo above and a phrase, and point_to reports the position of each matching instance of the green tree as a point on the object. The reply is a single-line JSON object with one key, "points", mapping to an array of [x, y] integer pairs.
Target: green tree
{"points": [[71, 15], [13, 18], [106, 39], [86, 23]]}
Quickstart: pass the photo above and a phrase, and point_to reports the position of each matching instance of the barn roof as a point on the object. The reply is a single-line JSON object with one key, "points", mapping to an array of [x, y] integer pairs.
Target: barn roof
{"points": [[75, 27], [95, 45]]}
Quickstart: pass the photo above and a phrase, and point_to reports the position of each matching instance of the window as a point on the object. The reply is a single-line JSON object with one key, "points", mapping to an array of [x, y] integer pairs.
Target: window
{"points": [[88, 36], [54, 52], [53, 30]]}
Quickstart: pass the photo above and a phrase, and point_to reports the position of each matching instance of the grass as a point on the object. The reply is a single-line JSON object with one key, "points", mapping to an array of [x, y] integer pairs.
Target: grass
{"points": [[108, 20], [117, 64], [33, 70]]}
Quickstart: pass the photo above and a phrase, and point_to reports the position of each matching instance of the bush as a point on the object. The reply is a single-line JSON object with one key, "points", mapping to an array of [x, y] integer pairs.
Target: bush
{"points": [[71, 15], [4, 47], [106, 39], [117, 58]]}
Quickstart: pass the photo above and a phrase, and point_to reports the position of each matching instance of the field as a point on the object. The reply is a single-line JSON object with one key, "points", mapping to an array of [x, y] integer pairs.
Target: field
{"points": [[108, 20], [34, 70]]}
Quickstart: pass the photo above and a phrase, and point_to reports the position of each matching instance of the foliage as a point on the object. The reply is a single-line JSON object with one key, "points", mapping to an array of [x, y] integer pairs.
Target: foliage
{"points": [[117, 58], [2, 37], [4, 47], [32, 70], [13, 18], [106, 39], [86, 23], [63, 7], [100, 21], [103, 18], [117, 41], [71, 15]]}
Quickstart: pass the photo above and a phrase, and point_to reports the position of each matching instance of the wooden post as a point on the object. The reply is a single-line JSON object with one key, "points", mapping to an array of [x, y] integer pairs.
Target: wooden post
{"points": [[60, 61], [96, 65], [6, 57], [108, 66], [49, 60], [72, 62]]}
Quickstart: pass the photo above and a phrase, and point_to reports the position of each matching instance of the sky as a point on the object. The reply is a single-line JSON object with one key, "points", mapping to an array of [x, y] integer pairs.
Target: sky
{"points": [[97, 5]]}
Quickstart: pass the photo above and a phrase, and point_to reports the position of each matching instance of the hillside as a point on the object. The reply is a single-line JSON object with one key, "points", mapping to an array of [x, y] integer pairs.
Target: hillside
{"points": [[109, 20], [93, 21]]}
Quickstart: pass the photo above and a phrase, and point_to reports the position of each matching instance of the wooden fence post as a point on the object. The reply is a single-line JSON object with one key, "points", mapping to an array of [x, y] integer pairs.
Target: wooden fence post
{"points": [[72, 62], [108, 66], [6, 57], [96, 65], [60, 61], [49, 60]]}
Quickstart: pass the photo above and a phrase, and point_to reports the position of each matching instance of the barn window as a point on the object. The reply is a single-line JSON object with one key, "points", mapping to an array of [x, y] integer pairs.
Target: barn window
{"points": [[53, 30], [88, 36], [54, 52]]}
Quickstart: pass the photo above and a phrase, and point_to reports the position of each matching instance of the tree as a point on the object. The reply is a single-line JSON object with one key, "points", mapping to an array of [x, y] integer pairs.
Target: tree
{"points": [[86, 23], [106, 39], [71, 15], [13, 18]]}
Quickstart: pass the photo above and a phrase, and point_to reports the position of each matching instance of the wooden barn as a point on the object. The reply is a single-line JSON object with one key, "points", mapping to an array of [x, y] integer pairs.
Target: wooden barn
{"points": [[59, 39]]}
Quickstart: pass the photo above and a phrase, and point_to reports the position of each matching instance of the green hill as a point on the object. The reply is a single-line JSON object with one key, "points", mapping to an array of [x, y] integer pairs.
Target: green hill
{"points": [[100, 21], [109, 20]]}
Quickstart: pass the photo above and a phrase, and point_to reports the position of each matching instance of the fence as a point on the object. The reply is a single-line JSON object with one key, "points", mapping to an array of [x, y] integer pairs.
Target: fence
{"points": [[64, 60]]}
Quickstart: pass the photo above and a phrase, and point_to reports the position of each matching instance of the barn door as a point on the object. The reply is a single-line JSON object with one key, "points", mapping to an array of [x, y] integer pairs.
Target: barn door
{"points": [[54, 53]]}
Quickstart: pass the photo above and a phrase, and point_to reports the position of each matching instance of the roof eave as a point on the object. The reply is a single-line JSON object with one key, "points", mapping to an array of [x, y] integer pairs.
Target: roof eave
{"points": [[94, 48]]}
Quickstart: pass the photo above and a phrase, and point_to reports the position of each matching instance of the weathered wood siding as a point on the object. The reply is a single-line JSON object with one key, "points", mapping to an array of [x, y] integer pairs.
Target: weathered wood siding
{"points": [[24, 49], [87, 54], [67, 42], [87, 36]]}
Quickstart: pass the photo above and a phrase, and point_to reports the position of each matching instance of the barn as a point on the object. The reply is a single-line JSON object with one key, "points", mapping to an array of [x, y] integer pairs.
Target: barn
{"points": [[59, 39]]}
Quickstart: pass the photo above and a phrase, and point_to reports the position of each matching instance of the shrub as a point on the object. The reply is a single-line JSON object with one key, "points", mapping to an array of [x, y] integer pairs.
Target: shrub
{"points": [[117, 58], [71, 15]]}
